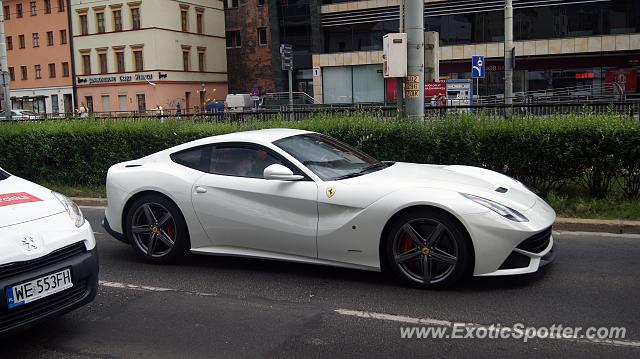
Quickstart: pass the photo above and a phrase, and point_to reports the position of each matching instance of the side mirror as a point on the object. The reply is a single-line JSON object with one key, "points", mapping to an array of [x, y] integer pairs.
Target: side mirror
{"points": [[280, 172]]}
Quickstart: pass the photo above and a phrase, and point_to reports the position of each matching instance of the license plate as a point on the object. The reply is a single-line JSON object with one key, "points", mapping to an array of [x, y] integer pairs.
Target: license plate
{"points": [[38, 288]]}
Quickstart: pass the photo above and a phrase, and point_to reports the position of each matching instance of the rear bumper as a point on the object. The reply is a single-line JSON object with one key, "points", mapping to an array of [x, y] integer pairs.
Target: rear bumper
{"points": [[84, 274]]}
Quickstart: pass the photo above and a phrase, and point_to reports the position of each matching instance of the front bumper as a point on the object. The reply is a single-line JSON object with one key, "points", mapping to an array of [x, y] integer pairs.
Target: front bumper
{"points": [[119, 236], [84, 273], [496, 241]]}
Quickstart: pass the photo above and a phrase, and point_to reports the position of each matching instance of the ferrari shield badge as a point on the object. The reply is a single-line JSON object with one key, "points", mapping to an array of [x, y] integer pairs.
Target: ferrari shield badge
{"points": [[330, 191]]}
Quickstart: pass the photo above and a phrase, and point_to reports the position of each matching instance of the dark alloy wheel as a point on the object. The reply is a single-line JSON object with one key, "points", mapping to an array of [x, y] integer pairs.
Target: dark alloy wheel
{"points": [[428, 249], [156, 229]]}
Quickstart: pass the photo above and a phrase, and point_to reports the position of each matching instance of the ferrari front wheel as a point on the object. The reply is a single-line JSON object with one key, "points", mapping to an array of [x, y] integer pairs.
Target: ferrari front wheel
{"points": [[428, 249]]}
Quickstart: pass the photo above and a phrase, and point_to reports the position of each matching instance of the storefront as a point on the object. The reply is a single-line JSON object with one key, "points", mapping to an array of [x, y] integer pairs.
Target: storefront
{"points": [[145, 92], [353, 84]]}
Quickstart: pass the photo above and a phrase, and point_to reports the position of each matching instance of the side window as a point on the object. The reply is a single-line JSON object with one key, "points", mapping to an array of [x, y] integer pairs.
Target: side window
{"points": [[241, 161], [196, 158]]}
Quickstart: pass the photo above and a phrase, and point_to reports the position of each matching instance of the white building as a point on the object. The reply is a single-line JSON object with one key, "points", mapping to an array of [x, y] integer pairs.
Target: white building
{"points": [[135, 56]]}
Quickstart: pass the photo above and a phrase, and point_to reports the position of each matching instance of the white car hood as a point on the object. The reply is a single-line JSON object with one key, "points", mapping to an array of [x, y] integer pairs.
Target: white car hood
{"points": [[23, 201], [465, 179]]}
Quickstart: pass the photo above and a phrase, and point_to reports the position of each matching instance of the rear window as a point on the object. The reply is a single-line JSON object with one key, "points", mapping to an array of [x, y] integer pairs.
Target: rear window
{"points": [[3, 175], [196, 158]]}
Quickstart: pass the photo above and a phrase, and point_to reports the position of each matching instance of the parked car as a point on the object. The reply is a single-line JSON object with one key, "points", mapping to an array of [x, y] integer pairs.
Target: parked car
{"points": [[48, 257], [19, 114], [301, 196]]}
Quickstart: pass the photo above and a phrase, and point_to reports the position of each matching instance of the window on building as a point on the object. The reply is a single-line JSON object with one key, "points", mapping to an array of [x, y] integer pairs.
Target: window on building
{"points": [[36, 39], [9, 41], [138, 60], [224, 4], [184, 19], [65, 69], [52, 70], [135, 18], [199, 22], [55, 106], [120, 61], [201, 61], [63, 37], [185, 60], [262, 36], [32, 8], [233, 39], [18, 10], [7, 12], [38, 70], [23, 72], [234, 4], [142, 103], [260, 2], [84, 25], [49, 38], [89, 102], [86, 64], [117, 20], [100, 22], [102, 60], [61, 5], [21, 42], [12, 74], [47, 6]]}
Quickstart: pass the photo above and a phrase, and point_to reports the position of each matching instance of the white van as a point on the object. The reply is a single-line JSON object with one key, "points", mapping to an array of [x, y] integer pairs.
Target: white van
{"points": [[238, 103]]}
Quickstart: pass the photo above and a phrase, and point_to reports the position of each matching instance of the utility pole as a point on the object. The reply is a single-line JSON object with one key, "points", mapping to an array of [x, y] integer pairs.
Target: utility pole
{"points": [[4, 68], [414, 84], [400, 80], [508, 52]]}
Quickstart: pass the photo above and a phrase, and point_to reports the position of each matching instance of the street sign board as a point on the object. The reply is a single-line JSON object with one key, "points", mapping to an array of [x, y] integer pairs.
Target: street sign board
{"points": [[286, 53], [477, 67]]}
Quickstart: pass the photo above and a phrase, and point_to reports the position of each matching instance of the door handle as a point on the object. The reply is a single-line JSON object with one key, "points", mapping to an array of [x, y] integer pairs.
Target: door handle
{"points": [[201, 189]]}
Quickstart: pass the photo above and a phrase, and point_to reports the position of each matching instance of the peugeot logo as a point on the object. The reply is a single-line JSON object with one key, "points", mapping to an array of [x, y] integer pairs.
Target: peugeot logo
{"points": [[29, 244]]}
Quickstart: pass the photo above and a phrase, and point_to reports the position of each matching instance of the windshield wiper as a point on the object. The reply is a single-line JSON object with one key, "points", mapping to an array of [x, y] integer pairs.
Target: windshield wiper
{"points": [[362, 171], [373, 167]]}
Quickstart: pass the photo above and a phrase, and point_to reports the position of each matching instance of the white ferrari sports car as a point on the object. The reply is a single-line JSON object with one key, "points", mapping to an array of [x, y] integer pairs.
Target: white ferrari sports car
{"points": [[48, 258], [301, 196]]}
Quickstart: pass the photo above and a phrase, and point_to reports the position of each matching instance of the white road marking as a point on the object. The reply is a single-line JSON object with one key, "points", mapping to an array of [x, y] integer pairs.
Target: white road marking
{"points": [[147, 288], [447, 323]]}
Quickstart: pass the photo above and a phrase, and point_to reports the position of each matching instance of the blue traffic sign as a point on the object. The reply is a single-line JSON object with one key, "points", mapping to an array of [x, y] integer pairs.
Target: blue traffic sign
{"points": [[477, 67]]}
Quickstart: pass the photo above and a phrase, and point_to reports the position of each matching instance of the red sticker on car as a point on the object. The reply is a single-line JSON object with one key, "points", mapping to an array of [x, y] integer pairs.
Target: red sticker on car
{"points": [[8, 199]]}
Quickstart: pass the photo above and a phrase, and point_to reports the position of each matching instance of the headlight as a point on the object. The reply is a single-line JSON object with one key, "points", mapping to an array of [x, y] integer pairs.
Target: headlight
{"points": [[72, 209], [502, 210]]}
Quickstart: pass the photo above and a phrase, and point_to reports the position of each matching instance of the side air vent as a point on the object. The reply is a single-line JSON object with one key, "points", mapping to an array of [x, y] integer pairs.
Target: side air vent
{"points": [[129, 166], [501, 190]]}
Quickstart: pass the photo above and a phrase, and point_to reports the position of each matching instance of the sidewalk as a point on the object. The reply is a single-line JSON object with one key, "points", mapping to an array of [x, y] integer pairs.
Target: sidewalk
{"points": [[562, 224]]}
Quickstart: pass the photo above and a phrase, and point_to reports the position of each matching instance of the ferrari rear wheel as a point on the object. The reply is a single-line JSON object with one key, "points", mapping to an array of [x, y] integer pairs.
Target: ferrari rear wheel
{"points": [[428, 249], [156, 229]]}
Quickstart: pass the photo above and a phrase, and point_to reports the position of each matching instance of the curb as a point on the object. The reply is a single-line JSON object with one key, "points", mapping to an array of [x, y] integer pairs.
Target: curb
{"points": [[90, 202], [563, 224], [597, 225]]}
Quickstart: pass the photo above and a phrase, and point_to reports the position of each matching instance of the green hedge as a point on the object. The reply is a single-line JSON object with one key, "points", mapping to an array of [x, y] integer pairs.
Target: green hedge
{"points": [[597, 151]]}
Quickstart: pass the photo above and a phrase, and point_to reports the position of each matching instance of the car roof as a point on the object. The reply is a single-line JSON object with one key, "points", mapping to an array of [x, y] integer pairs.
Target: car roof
{"points": [[258, 136], [263, 137]]}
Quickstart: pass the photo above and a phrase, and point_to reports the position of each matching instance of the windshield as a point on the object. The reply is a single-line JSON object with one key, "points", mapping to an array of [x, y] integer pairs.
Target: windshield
{"points": [[328, 158], [3, 175]]}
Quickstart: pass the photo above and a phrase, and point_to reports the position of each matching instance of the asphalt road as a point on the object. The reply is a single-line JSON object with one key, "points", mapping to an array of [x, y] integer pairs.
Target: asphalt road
{"points": [[212, 307]]}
